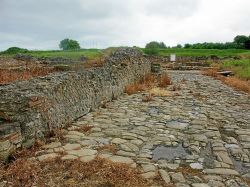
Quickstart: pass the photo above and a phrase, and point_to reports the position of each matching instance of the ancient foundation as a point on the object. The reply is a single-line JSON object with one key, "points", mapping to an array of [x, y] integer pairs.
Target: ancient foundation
{"points": [[29, 109]]}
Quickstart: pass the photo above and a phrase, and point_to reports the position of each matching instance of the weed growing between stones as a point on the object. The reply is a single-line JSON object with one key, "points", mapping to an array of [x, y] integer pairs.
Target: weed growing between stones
{"points": [[58, 133], [147, 98], [164, 81], [109, 148], [85, 128], [97, 62], [149, 82], [234, 82], [159, 92]]}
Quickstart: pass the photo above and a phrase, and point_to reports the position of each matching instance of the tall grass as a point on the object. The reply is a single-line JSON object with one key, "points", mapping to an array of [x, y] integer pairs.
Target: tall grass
{"points": [[241, 68]]}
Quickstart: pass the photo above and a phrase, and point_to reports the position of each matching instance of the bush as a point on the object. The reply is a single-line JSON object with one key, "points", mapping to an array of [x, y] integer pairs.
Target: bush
{"points": [[151, 51], [15, 50]]}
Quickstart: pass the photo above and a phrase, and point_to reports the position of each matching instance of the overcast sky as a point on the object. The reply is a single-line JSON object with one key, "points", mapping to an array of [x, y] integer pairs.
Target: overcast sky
{"points": [[41, 24]]}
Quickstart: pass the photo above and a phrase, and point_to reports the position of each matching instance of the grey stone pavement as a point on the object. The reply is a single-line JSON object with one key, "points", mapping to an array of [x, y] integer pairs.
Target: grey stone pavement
{"points": [[202, 128]]}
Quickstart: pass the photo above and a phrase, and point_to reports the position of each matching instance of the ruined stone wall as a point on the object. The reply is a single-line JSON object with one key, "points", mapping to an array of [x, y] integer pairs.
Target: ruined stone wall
{"points": [[30, 108]]}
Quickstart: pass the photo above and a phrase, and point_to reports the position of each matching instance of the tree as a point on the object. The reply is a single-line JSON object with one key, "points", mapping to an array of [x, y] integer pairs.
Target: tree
{"points": [[68, 44], [186, 46], [162, 45], [241, 39], [247, 43], [179, 46], [155, 44]]}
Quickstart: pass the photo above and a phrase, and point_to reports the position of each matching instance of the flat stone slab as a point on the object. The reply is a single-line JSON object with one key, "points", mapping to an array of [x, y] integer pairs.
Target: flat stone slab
{"points": [[69, 147], [178, 177], [82, 152], [196, 166], [88, 158], [52, 145], [69, 157], [121, 159], [148, 175], [221, 171], [200, 185], [165, 176], [47, 156]]}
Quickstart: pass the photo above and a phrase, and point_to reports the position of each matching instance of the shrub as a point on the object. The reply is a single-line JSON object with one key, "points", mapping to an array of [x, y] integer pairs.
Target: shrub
{"points": [[148, 82], [164, 81], [151, 51], [15, 50]]}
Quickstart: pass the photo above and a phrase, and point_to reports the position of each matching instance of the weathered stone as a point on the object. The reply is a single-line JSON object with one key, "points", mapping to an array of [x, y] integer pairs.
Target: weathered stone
{"points": [[200, 185], [178, 177], [69, 147], [69, 157], [82, 152], [196, 166], [127, 154], [88, 142], [148, 167], [181, 185], [47, 156], [148, 175], [87, 158], [214, 183], [120, 159], [118, 141], [69, 95], [221, 171], [165, 176], [52, 145]]}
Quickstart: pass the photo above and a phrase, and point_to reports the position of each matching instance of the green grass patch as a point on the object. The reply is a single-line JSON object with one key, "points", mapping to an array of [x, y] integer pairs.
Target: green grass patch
{"points": [[70, 54], [241, 68], [201, 52]]}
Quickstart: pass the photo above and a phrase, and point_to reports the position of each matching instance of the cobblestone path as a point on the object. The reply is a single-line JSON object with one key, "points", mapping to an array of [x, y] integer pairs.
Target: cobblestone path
{"points": [[202, 128]]}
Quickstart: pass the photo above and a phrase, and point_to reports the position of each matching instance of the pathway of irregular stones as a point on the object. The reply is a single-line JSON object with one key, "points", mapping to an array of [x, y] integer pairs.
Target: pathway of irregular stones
{"points": [[203, 126]]}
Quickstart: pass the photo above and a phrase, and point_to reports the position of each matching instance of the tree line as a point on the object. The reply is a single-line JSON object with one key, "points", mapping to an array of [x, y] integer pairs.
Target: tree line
{"points": [[239, 42]]}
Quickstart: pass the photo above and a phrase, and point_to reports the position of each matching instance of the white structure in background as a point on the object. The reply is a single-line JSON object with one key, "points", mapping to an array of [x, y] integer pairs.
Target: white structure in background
{"points": [[173, 57]]}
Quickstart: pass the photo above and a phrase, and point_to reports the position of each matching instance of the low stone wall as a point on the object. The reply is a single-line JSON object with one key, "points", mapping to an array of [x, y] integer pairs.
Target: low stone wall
{"points": [[187, 59], [28, 109]]}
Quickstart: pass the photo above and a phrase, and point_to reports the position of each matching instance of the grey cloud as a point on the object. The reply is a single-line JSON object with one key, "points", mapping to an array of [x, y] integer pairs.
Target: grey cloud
{"points": [[172, 8]]}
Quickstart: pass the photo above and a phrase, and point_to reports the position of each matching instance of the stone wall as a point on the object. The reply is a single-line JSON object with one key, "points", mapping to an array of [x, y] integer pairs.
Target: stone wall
{"points": [[30, 108], [186, 59]]}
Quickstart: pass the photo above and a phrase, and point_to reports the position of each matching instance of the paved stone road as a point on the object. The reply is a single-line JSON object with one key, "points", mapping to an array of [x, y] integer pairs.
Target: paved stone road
{"points": [[203, 126]]}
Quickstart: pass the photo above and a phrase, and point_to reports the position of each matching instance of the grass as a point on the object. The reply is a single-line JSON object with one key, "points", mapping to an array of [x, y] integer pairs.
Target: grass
{"points": [[70, 54], [202, 52], [241, 68], [234, 81], [148, 82]]}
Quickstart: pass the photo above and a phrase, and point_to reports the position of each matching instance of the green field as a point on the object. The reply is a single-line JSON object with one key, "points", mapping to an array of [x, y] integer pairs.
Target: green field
{"points": [[92, 53], [202, 52], [74, 54]]}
